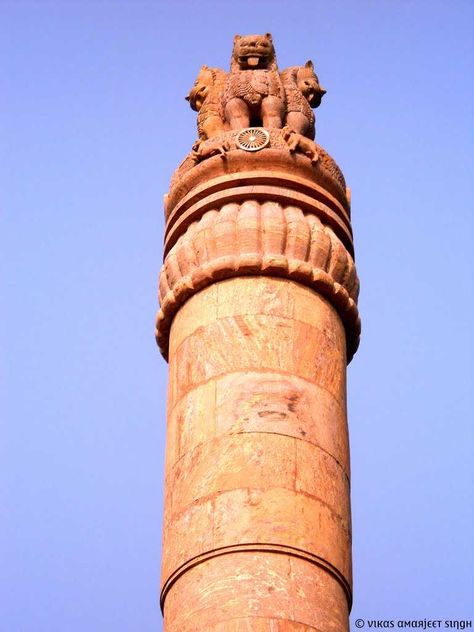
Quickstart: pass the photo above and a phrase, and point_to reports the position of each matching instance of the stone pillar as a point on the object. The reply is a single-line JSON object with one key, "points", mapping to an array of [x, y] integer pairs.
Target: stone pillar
{"points": [[258, 320]]}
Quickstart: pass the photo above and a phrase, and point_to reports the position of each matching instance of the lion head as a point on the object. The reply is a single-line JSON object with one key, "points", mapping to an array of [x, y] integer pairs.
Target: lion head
{"points": [[253, 52], [308, 83], [207, 79]]}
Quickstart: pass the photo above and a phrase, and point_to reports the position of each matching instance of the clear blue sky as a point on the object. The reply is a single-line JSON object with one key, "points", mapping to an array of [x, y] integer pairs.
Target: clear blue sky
{"points": [[93, 122]]}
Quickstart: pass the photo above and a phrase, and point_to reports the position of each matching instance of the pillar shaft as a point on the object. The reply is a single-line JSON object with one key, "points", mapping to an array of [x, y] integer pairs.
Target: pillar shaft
{"points": [[257, 516]]}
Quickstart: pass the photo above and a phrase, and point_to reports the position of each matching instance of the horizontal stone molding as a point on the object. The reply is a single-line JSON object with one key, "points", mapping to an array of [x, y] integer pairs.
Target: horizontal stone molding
{"points": [[254, 238], [256, 547], [276, 158], [277, 187]]}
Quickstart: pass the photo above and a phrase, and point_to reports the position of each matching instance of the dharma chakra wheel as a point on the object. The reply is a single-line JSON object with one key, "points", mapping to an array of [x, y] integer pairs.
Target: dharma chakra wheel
{"points": [[252, 139]]}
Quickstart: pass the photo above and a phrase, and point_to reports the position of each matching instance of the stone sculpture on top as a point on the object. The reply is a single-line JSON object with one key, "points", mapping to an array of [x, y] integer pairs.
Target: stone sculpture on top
{"points": [[255, 95]]}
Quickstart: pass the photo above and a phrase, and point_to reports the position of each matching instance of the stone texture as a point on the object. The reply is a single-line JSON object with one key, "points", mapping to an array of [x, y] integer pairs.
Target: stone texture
{"points": [[257, 433], [253, 589]]}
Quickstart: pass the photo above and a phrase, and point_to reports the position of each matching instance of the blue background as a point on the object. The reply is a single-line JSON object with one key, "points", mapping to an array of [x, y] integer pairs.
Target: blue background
{"points": [[93, 122]]}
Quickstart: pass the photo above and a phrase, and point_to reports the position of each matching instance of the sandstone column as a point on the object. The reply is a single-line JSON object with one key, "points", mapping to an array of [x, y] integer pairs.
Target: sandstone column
{"points": [[258, 320]]}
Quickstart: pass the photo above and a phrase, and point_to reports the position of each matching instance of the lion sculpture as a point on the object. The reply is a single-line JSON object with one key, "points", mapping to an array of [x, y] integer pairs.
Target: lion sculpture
{"points": [[303, 93], [253, 93], [205, 97]]}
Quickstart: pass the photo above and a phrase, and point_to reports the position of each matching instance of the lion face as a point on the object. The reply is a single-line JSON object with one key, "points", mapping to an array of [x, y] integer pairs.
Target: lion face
{"points": [[252, 52], [308, 83], [201, 88]]}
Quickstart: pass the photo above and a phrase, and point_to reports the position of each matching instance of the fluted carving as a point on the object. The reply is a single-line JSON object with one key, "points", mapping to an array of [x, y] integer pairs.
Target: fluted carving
{"points": [[259, 238]]}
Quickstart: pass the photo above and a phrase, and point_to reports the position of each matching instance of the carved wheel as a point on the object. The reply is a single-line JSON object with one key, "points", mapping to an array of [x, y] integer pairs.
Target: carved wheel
{"points": [[252, 139]]}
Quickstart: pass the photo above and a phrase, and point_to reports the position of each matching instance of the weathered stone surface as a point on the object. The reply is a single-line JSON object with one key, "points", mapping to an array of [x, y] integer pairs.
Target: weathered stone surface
{"points": [[285, 345], [257, 434], [246, 402], [272, 402], [256, 587]]}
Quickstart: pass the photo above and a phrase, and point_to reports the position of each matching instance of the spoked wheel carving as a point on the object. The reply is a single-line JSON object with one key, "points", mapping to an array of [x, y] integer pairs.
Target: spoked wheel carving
{"points": [[252, 139]]}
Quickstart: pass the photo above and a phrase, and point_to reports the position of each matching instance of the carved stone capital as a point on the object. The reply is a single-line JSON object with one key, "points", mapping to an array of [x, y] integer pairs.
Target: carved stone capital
{"points": [[271, 212], [255, 238]]}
